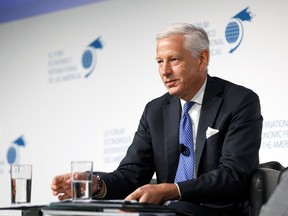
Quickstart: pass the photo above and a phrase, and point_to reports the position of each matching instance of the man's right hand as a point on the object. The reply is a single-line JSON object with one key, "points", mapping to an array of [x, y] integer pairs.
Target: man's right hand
{"points": [[61, 186]]}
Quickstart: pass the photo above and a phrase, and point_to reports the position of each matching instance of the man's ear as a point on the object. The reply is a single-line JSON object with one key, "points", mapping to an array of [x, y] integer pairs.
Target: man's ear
{"points": [[204, 60]]}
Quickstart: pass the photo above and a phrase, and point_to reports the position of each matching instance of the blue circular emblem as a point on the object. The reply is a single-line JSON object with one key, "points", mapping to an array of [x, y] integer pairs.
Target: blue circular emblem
{"points": [[11, 155], [232, 32], [87, 59]]}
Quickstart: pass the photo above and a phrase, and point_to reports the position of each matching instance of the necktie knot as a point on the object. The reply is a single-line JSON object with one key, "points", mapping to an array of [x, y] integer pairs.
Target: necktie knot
{"points": [[187, 106]]}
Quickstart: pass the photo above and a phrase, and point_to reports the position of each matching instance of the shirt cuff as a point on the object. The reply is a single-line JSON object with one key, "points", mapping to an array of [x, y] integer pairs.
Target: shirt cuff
{"points": [[180, 196]]}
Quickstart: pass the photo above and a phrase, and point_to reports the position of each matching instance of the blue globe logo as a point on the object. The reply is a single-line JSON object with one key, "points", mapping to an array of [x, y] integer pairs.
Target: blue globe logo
{"points": [[89, 56], [13, 150], [232, 32], [87, 59], [13, 154]]}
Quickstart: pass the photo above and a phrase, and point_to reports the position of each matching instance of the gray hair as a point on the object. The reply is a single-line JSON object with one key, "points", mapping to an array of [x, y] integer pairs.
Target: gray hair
{"points": [[196, 38]]}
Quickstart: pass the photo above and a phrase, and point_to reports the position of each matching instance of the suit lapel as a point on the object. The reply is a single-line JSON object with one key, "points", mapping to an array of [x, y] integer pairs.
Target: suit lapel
{"points": [[171, 114], [210, 106]]}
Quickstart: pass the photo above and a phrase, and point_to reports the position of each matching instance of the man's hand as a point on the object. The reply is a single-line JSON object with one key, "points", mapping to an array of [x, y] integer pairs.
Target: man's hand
{"points": [[155, 193], [61, 186]]}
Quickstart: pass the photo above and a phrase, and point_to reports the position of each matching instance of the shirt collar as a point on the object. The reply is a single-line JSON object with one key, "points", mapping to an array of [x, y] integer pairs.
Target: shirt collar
{"points": [[198, 97]]}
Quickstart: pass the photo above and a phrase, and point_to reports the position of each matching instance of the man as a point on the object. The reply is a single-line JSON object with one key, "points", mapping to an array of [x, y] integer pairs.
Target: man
{"points": [[227, 126]]}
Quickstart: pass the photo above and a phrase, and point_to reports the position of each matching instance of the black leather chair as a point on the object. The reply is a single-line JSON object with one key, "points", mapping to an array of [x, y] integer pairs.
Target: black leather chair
{"points": [[263, 183], [277, 203]]}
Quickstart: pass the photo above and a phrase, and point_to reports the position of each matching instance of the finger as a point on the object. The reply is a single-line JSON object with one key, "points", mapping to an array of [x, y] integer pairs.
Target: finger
{"points": [[61, 178], [55, 192], [130, 197], [57, 179], [64, 188], [63, 196], [143, 199], [136, 195]]}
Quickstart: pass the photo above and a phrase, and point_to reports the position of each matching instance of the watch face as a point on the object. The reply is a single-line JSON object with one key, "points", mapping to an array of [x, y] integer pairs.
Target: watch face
{"points": [[99, 184]]}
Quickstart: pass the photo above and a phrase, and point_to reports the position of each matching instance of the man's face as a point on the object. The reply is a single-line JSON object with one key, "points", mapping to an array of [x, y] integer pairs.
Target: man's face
{"points": [[181, 73]]}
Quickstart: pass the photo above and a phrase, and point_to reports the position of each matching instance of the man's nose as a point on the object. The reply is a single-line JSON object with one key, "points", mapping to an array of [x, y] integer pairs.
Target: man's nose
{"points": [[166, 69]]}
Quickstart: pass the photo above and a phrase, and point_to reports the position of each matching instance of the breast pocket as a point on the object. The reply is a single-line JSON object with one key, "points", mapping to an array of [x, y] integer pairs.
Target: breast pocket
{"points": [[213, 150]]}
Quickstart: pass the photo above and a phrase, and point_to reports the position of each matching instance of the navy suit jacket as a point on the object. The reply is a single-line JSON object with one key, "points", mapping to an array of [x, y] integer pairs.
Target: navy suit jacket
{"points": [[223, 162]]}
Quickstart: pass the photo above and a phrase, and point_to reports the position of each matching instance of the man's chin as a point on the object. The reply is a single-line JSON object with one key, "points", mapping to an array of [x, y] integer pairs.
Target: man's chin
{"points": [[173, 92]]}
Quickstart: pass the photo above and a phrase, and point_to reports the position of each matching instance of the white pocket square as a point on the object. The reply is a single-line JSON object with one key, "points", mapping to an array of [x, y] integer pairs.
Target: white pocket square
{"points": [[210, 132]]}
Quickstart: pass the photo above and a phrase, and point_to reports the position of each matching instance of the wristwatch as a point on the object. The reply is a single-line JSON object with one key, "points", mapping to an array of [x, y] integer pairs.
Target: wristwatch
{"points": [[99, 184]]}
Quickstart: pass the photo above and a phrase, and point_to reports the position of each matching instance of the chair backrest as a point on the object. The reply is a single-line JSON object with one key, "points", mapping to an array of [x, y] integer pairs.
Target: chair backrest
{"points": [[263, 183], [277, 203]]}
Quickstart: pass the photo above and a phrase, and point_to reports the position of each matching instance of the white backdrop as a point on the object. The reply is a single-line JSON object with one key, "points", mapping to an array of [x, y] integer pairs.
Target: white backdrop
{"points": [[51, 114]]}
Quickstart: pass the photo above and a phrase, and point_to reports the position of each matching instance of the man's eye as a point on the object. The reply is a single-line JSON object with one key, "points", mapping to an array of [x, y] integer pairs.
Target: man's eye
{"points": [[159, 61]]}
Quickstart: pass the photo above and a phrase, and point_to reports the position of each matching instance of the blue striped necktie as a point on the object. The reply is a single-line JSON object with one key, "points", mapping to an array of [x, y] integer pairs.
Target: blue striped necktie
{"points": [[185, 170]]}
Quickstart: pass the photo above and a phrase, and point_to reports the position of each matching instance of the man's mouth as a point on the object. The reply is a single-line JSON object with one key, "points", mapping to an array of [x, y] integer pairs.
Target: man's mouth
{"points": [[170, 83]]}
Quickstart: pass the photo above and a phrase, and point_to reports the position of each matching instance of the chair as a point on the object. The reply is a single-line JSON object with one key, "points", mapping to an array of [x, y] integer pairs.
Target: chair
{"points": [[263, 183], [277, 203]]}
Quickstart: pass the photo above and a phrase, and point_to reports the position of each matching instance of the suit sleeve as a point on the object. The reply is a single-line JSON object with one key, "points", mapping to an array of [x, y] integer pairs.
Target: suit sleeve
{"points": [[136, 168]]}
